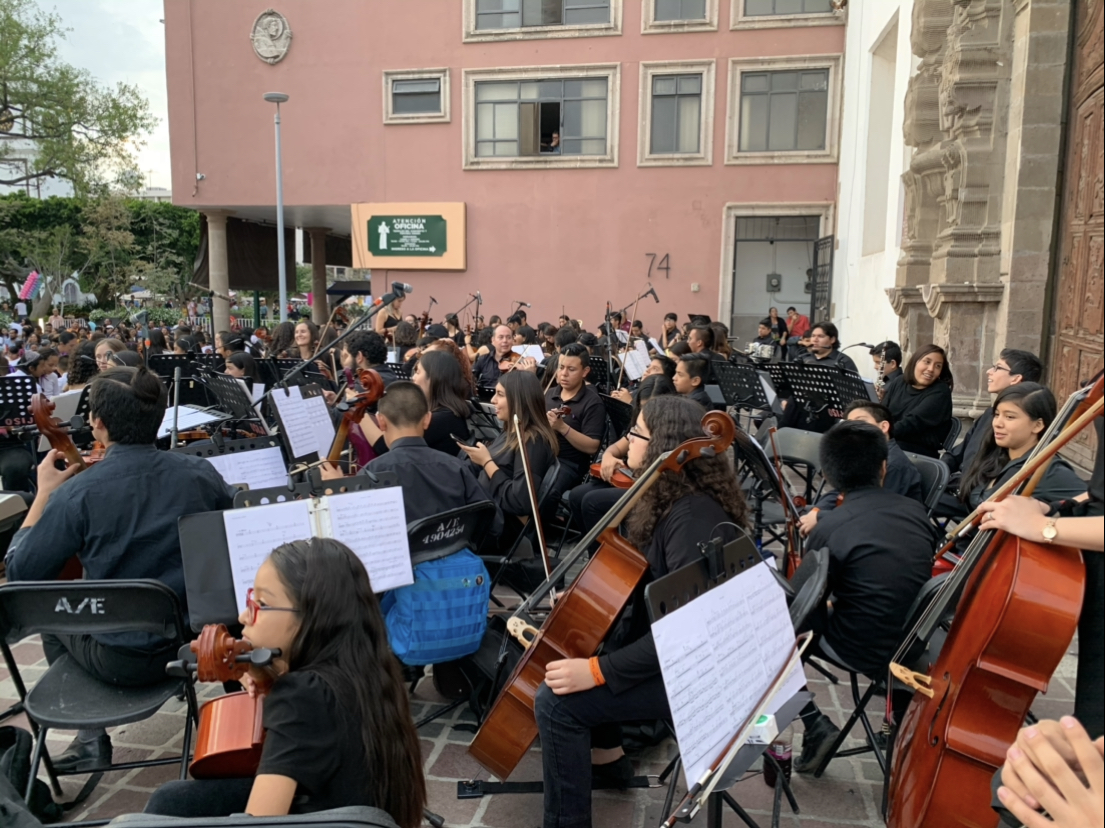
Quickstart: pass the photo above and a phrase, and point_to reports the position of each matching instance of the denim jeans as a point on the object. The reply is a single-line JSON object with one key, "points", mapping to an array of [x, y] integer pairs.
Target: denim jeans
{"points": [[566, 724]]}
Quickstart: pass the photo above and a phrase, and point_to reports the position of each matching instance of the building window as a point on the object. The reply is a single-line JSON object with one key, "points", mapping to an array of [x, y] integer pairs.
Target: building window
{"points": [[759, 8], [530, 19], [540, 116], [783, 110], [416, 96], [676, 119], [668, 10]]}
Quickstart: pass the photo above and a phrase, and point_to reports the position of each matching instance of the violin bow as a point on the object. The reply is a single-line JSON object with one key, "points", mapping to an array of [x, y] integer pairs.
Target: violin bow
{"points": [[793, 556], [537, 528]]}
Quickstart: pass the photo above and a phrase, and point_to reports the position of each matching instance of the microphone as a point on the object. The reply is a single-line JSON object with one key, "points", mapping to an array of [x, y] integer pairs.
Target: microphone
{"points": [[652, 290], [432, 301], [402, 288], [523, 304], [860, 345]]}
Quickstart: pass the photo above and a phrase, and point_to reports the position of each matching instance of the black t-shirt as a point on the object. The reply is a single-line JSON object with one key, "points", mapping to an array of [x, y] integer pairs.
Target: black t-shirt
{"points": [[443, 423], [311, 738], [588, 417], [1095, 481]]}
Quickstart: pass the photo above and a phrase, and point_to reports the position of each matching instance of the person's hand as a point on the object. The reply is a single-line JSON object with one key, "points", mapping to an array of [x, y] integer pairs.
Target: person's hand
{"points": [[624, 395], [610, 464], [50, 477], [806, 523], [1020, 516], [249, 684], [330, 397], [526, 364], [331, 471], [556, 421], [1056, 736], [478, 453], [571, 675], [1071, 791]]}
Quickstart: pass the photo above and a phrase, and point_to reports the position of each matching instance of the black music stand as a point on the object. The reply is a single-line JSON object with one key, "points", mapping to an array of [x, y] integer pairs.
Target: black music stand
{"points": [[719, 564], [217, 446], [402, 370], [741, 386], [600, 374], [208, 579], [231, 396], [15, 401], [192, 390]]}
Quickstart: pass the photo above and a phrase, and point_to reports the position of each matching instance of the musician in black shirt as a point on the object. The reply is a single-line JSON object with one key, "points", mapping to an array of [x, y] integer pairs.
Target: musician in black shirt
{"points": [[581, 702], [367, 349], [439, 375], [824, 348], [880, 555], [579, 432], [921, 401], [691, 373]]}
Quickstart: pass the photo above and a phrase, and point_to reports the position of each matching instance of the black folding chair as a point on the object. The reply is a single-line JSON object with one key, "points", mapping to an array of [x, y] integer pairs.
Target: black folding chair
{"points": [[500, 562], [934, 478], [800, 451], [953, 433], [67, 697]]}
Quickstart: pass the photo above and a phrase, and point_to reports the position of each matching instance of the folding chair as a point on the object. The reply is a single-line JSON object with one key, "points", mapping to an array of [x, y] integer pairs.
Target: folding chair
{"points": [[800, 451], [953, 434], [484, 424], [877, 686], [934, 478], [500, 562], [67, 697]]}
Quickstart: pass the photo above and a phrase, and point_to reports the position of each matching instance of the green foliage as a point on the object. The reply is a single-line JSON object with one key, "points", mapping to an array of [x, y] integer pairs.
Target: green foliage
{"points": [[155, 316], [83, 132], [303, 278]]}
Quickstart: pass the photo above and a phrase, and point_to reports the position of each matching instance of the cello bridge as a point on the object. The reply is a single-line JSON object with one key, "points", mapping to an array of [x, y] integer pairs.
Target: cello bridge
{"points": [[918, 681], [524, 633]]}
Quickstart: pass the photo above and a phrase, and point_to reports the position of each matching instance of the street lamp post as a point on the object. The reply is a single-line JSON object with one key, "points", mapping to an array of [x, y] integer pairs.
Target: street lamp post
{"points": [[279, 98]]}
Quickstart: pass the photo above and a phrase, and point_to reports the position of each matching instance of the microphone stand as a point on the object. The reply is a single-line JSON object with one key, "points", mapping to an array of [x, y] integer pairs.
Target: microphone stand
{"points": [[176, 407]]}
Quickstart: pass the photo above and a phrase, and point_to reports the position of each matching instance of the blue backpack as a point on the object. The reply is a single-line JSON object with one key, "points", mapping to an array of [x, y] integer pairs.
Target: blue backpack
{"points": [[442, 616]]}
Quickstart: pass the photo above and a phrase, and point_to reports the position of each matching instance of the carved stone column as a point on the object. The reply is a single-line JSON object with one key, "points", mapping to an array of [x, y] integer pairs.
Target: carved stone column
{"points": [[218, 269], [915, 327], [320, 308], [965, 323]]}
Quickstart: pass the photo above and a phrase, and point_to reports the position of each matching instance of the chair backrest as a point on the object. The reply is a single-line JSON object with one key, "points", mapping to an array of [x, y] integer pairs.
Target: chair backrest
{"points": [[484, 424], [89, 608], [548, 484], [934, 477], [809, 583], [443, 534], [923, 599], [953, 433], [798, 447]]}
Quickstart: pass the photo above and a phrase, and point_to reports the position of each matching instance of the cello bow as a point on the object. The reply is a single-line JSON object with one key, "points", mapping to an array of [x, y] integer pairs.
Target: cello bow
{"points": [[534, 506]]}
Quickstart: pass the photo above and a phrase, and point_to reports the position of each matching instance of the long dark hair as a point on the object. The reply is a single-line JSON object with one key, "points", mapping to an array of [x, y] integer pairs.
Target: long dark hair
{"points": [[343, 639], [448, 387], [1038, 403], [282, 340], [245, 362], [82, 366], [910, 371], [672, 420], [657, 385], [524, 398]]}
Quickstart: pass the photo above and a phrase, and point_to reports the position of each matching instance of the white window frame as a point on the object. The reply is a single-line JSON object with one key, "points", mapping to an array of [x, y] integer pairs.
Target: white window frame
{"points": [[650, 25], [610, 71], [473, 35], [391, 117], [739, 20], [705, 155], [739, 66]]}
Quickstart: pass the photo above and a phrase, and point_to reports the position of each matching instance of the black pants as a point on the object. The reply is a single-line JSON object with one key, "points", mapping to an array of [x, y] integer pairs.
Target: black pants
{"points": [[201, 798], [1089, 695], [113, 665], [589, 502], [570, 726], [17, 467]]}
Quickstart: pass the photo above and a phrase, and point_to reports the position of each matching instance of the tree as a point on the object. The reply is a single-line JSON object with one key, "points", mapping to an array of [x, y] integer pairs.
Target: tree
{"points": [[81, 131], [109, 245], [39, 235]]}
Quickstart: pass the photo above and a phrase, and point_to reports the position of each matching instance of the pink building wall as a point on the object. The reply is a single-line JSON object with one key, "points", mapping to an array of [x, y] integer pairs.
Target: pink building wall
{"points": [[556, 237]]}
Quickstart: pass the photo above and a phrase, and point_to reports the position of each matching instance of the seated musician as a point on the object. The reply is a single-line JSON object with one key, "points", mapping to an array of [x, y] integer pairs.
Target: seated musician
{"points": [[130, 534], [490, 366], [1022, 412], [498, 466], [901, 478], [582, 701], [439, 375], [887, 358], [702, 340], [880, 548], [824, 348], [367, 349], [579, 432], [764, 333], [691, 373], [921, 401], [594, 498], [657, 366], [433, 481], [338, 728]]}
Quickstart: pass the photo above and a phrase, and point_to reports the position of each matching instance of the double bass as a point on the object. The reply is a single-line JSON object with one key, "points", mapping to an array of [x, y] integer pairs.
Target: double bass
{"points": [[1020, 605], [355, 411], [585, 612]]}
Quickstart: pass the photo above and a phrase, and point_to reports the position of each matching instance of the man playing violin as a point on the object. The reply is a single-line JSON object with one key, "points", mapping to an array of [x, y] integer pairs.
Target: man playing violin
{"points": [[580, 430], [120, 519], [500, 359]]}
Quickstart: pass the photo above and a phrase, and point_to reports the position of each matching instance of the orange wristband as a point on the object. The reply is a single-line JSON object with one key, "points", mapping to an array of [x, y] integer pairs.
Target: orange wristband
{"points": [[596, 672]]}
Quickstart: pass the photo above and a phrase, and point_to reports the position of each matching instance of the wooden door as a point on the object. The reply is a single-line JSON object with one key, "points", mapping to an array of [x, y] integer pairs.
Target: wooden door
{"points": [[1077, 351]]}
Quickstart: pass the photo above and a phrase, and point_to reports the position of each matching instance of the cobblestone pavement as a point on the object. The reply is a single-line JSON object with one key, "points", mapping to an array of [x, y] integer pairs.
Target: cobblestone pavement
{"points": [[848, 795]]}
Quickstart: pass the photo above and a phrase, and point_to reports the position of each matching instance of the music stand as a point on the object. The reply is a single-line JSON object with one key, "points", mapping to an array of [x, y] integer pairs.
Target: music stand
{"points": [[15, 401], [231, 396], [741, 386], [402, 370], [192, 391], [600, 375], [823, 387], [218, 446]]}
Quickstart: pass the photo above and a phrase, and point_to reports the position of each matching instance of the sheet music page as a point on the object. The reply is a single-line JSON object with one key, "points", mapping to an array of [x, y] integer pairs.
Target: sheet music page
{"points": [[189, 418], [258, 469], [718, 655], [655, 346], [373, 523], [251, 534], [296, 421], [769, 389], [321, 424], [635, 364], [258, 391], [531, 351]]}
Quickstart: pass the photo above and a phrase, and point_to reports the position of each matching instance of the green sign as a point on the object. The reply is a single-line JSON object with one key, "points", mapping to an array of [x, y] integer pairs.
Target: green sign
{"points": [[407, 235]]}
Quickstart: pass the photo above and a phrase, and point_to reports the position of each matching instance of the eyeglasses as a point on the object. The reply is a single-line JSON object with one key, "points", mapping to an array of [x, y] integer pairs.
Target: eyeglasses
{"points": [[997, 367], [637, 436], [253, 607]]}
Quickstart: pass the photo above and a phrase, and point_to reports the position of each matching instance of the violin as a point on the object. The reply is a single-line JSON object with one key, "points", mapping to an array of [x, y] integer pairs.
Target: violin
{"points": [[585, 613], [620, 479], [373, 387], [231, 730], [1017, 605], [561, 412]]}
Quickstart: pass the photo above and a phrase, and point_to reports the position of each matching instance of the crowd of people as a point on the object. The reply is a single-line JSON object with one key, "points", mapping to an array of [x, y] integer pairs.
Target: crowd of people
{"points": [[338, 717]]}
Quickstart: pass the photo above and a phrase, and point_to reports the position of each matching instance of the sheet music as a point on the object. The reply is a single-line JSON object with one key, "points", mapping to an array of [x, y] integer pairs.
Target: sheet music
{"points": [[655, 346], [373, 523], [719, 654], [531, 351], [296, 421], [251, 534], [769, 389], [322, 424], [635, 364], [189, 418], [258, 391], [258, 469]]}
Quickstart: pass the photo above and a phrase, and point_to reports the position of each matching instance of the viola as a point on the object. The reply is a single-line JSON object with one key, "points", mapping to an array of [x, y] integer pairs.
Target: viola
{"points": [[1019, 610], [585, 612], [620, 479], [373, 387]]}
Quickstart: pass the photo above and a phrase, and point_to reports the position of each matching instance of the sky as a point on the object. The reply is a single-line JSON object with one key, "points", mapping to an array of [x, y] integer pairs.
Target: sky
{"points": [[122, 41]]}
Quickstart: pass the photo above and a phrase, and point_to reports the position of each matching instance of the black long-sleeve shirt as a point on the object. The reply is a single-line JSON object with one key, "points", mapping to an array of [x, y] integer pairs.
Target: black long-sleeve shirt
{"points": [[834, 357], [119, 517], [880, 555], [508, 484], [901, 478], [922, 416], [690, 521], [958, 459]]}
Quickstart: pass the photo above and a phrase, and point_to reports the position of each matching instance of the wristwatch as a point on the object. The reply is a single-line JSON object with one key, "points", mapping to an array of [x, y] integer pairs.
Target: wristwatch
{"points": [[1050, 530]]}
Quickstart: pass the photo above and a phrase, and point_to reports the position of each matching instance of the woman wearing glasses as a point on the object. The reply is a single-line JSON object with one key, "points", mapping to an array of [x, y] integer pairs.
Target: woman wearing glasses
{"points": [[582, 701], [338, 728]]}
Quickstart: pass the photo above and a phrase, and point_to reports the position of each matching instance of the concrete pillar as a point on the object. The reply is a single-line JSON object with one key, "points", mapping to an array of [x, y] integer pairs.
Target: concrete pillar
{"points": [[218, 270], [320, 310]]}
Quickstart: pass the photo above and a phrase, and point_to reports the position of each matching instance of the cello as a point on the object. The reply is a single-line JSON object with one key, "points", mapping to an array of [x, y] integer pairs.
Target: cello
{"points": [[585, 612], [1020, 605], [355, 411]]}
